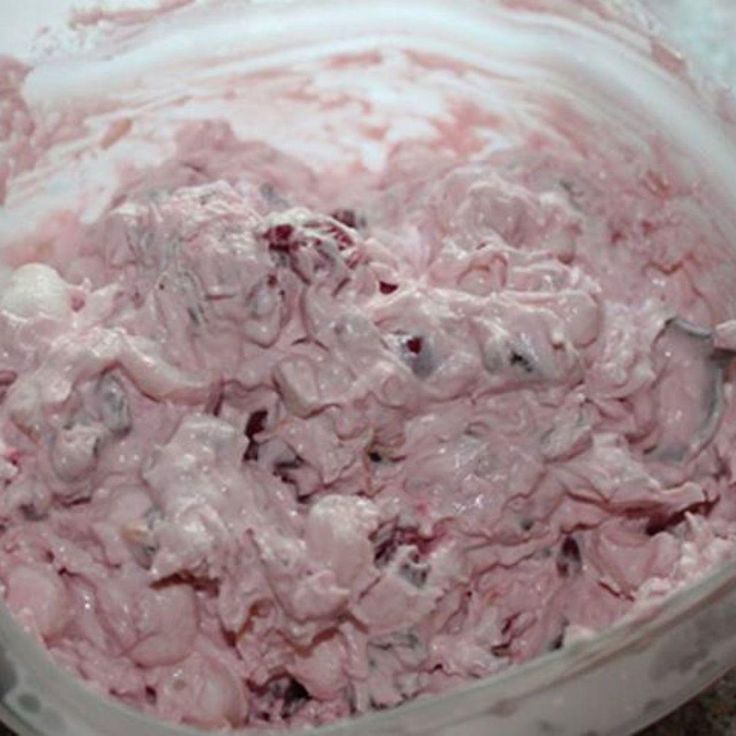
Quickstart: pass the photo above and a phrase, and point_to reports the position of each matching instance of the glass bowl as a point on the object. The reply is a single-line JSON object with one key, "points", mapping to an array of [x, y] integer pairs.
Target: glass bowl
{"points": [[135, 83]]}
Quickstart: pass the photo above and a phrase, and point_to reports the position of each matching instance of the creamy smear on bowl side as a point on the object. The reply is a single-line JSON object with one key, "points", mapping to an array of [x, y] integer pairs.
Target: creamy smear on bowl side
{"points": [[267, 460]]}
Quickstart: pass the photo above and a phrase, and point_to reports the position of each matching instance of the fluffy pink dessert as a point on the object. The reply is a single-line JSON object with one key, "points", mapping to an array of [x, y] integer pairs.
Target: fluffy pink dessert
{"points": [[271, 464]]}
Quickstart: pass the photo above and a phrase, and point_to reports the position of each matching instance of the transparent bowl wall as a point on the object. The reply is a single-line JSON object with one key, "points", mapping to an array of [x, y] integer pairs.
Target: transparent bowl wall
{"points": [[598, 56]]}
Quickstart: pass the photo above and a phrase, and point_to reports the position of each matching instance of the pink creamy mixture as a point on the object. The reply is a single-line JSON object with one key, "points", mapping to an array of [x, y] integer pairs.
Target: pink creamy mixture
{"points": [[267, 464]]}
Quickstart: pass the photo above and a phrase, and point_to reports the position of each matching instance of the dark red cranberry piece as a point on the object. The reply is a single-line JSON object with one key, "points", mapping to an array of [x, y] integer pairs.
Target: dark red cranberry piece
{"points": [[218, 403], [558, 641], [415, 572], [256, 424], [414, 344], [617, 236], [283, 469], [295, 696], [7, 377], [418, 355], [31, 512], [280, 237], [648, 228], [388, 541], [569, 558], [518, 360], [387, 288], [526, 524], [501, 650], [508, 623], [113, 405], [658, 523]]}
